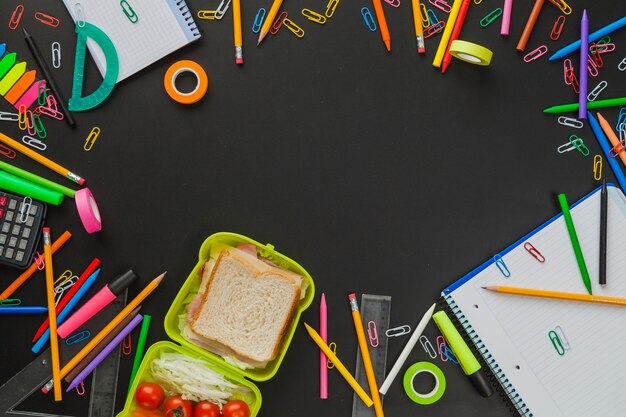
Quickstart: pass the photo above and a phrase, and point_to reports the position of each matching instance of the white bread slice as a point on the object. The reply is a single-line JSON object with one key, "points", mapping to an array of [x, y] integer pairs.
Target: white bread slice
{"points": [[246, 307]]}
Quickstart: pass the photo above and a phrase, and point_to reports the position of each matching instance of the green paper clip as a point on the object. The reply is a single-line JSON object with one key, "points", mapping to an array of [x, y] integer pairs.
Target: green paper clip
{"points": [[556, 342], [39, 127], [129, 12], [487, 20], [77, 102], [42, 93]]}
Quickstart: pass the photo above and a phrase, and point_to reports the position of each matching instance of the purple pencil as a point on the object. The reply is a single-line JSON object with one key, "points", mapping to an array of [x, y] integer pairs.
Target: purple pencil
{"points": [[108, 349], [584, 56]]}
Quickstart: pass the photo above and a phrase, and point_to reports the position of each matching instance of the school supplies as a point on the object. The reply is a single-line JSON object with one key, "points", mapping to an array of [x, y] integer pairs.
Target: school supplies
{"points": [[52, 317], [530, 24], [419, 29], [323, 358], [617, 146], [163, 26], [24, 310], [506, 18], [141, 344], [606, 148], [594, 36], [18, 185], [382, 23], [237, 32], [603, 231], [470, 52], [598, 104], [180, 67], [458, 25], [435, 394], [571, 230], [269, 20], [584, 56], [557, 295], [445, 37]]}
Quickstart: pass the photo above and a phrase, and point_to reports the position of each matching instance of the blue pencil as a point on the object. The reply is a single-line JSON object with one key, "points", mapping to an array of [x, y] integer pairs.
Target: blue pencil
{"points": [[606, 148], [67, 310], [573, 47], [23, 310]]}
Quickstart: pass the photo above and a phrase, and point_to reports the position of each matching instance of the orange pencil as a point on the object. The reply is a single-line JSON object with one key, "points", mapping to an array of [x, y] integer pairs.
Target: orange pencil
{"points": [[52, 316], [608, 131], [33, 267], [458, 25], [382, 23], [530, 24]]}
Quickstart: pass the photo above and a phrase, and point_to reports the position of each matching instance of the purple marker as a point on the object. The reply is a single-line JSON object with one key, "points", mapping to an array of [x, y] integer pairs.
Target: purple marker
{"points": [[584, 57]]}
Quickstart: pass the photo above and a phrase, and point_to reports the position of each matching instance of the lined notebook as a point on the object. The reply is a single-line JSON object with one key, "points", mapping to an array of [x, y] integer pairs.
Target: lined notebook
{"points": [[162, 27], [511, 332]]}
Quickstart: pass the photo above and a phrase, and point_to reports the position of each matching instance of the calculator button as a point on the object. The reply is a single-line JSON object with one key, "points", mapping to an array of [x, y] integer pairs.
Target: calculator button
{"points": [[3, 239], [10, 215], [29, 221], [1, 250], [9, 253], [3, 200], [6, 227], [12, 204], [25, 233], [17, 229], [12, 242], [23, 243], [19, 256], [33, 210]]}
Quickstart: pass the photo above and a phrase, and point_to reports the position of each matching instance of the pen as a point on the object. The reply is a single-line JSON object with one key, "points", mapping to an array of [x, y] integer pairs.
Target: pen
{"points": [[23, 310], [603, 230], [606, 148], [323, 358], [584, 56], [594, 36], [41, 62], [571, 230]]}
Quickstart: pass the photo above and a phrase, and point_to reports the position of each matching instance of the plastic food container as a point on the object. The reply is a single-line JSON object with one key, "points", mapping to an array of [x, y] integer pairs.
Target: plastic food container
{"points": [[212, 246]]}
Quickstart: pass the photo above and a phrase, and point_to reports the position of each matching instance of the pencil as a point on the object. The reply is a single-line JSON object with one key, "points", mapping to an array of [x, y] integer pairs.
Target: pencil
{"points": [[382, 24], [603, 230], [598, 104], [365, 355], [571, 230], [447, 32], [271, 15], [33, 267], [339, 366], [458, 25], [584, 56], [419, 29], [620, 23], [610, 134], [506, 18], [323, 358], [41, 159], [141, 344], [52, 317], [530, 24], [237, 30], [606, 149], [558, 295]]}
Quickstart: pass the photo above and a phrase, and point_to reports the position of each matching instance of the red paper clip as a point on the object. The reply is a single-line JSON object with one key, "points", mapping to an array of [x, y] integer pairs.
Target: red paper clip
{"points": [[617, 149], [6, 151], [557, 28], [16, 17], [534, 252], [568, 69], [127, 347], [278, 23], [47, 19], [595, 55], [372, 334], [39, 261], [433, 29], [573, 81]]}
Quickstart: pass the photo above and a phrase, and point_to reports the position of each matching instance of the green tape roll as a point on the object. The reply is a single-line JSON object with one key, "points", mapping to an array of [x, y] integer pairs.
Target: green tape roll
{"points": [[430, 397], [19, 185]]}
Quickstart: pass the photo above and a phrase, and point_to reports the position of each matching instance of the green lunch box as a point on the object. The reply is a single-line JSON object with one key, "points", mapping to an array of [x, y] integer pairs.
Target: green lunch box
{"points": [[212, 246]]}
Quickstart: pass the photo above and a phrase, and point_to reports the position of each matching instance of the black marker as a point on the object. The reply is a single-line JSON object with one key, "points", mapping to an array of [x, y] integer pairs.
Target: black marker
{"points": [[603, 229]]}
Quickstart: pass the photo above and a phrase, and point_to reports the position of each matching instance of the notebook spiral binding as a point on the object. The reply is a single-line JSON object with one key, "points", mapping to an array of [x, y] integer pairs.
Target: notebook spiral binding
{"points": [[496, 376], [188, 16]]}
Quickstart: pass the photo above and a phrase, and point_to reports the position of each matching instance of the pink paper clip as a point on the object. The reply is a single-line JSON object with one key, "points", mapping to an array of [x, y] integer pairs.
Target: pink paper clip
{"points": [[434, 29], [127, 347], [372, 334], [534, 252], [393, 3], [603, 48], [557, 28], [441, 347], [6, 151], [535, 53], [441, 5], [592, 67], [568, 69], [80, 388], [16, 17], [47, 19], [39, 261], [30, 123], [278, 23]]}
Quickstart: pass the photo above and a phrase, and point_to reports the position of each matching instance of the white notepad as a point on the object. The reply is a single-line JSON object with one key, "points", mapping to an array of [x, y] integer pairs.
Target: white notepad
{"points": [[163, 26], [512, 331]]}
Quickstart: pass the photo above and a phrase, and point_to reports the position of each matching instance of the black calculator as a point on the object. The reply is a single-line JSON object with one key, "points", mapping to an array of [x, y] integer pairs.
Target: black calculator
{"points": [[21, 221]]}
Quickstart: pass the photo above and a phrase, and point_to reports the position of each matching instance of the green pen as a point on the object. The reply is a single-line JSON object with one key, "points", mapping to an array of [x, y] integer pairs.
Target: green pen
{"points": [[575, 244], [141, 344], [598, 104], [470, 365]]}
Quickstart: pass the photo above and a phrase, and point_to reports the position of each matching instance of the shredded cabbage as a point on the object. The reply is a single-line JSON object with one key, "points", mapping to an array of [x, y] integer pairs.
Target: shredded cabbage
{"points": [[193, 379]]}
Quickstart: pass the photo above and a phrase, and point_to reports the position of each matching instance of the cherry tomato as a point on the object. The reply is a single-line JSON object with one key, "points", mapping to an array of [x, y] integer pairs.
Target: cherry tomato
{"points": [[177, 407], [149, 395], [206, 409], [236, 408]]}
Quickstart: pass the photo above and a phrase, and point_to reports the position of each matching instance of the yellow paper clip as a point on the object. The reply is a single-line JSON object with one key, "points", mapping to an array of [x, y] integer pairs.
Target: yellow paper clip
{"points": [[478, 1], [333, 348], [207, 14], [314, 16], [330, 8], [129, 12], [91, 138], [22, 121], [424, 15], [564, 7], [597, 167], [297, 30], [67, 274]]}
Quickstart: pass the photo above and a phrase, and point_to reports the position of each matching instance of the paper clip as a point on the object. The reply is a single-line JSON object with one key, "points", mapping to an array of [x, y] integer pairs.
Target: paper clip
{"points": [[561, 334], [566, 147], [601, 48], [34, 143], [24, 209], [424, 15], [535, 53], [8, 152], [30, 125], [449, 353], [67, 274], [432, 17], [221, 9], [478, 1], [597, 90], [596, 56], [497, 259], [314, 16], [207, 14], [441, 345], [568, 70], [617, 149], [9, 117], [369, 19], [91, 138], [398, 331], [78, 337], [556, 342], [493, 15], [10, 302], [534, 252], [372, 333], [579, 145], [258, 20], [129, 12], [80, 15], [434, 29], [565, 8], [80, 388], [570, 122], [56, 56], [39, 127], [621, 119], [278, 23], [39, 260], [330, 8], [22, 121], [333, 347], [127, 347], [16, 17], [428, 347], [441, 5], [622, 65], [393, 3], [47, 19], [557, 28], [597, 167], [293, 27], [592, 67]]}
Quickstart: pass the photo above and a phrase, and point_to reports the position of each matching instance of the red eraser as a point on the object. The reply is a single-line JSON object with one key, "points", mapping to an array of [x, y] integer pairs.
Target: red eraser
{"points": [[81, 181], [46, 230], [239, 61], [351, 296]]}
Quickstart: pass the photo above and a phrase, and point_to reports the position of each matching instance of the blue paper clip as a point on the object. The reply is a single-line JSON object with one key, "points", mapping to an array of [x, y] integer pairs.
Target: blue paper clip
{"points": [[78, 337], [621, 120], [449, 353], [497, 259], [258, 20], [432, 17], [369, 19]]}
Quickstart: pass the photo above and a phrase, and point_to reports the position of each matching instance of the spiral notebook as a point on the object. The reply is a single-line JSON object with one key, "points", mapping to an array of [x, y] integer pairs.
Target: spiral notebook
{"points": [[160, 27], [511, 332]]}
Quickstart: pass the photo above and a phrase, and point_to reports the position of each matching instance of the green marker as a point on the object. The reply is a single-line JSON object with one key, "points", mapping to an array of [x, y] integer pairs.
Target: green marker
{"points": [[598, 104], [575, 244], [467, 360], [37, 179], [19, 185], [141, 344]]}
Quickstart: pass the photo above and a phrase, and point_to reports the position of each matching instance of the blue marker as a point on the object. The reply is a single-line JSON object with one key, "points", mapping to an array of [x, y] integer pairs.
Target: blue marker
{"points": [[606, 148], [572, 47]]}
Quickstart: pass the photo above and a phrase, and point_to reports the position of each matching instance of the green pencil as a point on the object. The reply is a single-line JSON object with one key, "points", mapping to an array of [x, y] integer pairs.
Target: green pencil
{"points": [[37, 179], [575, 244], [598, 104], [141, 344]]}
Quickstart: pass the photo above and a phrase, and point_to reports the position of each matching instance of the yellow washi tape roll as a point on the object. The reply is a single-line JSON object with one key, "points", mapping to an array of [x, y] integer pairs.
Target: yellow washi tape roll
{"points": [[470, 52]]}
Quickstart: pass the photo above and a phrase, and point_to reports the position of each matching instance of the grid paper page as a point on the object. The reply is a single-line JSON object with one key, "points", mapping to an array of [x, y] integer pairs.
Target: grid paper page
{"points": [[589, 378], [157, 33]]}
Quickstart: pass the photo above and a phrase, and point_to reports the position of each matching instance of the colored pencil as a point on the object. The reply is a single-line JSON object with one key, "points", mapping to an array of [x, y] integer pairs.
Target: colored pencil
{"points": [[530, 24], [598, 104], [141, 344], [571, 230], [584, 56], [606, 148], [603, 229], [12, 169], [458, 25], [269, 19], [237, 32], [558, 295], [447, 32], [382, 24], [594, 36], [54, 341], [612, 136], [323, 358]]}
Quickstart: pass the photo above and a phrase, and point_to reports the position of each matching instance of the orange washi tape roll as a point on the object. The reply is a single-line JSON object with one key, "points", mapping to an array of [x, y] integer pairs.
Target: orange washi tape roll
{"points": [[202, 82]]}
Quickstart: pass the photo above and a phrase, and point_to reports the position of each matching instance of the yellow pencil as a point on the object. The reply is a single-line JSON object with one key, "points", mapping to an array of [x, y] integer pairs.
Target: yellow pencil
{"points": [[52, 316], [558, 295], [419, 29], [107, 329], [237, 30], [443, 44], [340, 367], [365, 355], [269, 19]]}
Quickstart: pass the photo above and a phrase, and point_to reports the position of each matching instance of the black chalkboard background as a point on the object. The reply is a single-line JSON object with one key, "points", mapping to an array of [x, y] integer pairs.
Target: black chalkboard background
{"points": [[371, 169]]}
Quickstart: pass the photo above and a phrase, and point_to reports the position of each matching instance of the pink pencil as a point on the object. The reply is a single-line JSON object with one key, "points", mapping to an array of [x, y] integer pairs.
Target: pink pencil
{"points": [[324, 336], [506, 18]]}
